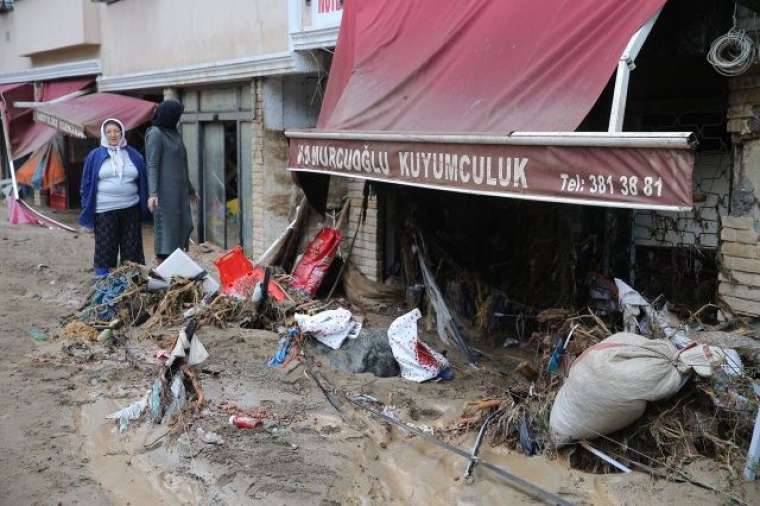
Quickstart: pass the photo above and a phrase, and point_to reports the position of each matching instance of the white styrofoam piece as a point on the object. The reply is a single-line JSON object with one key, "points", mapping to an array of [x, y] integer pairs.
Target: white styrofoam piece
{"points": [[180, 264]]}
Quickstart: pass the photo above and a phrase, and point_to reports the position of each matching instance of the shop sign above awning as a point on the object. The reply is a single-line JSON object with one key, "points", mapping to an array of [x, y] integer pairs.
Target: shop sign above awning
{"points": [[83, 116], [631, 170]]}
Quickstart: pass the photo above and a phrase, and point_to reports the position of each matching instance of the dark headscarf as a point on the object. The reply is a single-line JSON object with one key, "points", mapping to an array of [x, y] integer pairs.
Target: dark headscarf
{"points": [[167, 114]]}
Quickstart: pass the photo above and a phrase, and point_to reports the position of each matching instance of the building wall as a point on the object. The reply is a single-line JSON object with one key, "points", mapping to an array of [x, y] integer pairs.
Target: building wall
{"points": [[699, 227], [10, 59], [740, 277], [147, 35], [40, 26]]}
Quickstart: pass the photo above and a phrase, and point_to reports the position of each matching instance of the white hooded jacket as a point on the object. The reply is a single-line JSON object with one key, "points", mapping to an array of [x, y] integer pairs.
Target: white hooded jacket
{"points": [[117, 179]]}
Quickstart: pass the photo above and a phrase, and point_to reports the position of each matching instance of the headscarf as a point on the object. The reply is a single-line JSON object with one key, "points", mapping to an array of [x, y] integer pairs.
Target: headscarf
{"points": [[117, 153], [167, 114]]}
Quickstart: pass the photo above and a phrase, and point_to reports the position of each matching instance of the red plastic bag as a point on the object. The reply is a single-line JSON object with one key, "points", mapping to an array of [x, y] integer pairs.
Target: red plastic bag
{"points": [[316, 260]]}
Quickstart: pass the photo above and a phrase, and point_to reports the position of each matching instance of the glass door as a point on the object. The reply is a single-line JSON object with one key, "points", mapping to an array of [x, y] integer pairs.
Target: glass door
{"points": [[213, 194]]}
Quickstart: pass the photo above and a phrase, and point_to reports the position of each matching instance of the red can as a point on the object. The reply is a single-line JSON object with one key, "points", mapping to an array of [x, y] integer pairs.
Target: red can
{"points": [[245, 422]]}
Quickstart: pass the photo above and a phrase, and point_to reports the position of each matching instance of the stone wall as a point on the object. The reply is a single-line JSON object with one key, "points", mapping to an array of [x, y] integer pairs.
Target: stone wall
{"points": [[740, 254]]}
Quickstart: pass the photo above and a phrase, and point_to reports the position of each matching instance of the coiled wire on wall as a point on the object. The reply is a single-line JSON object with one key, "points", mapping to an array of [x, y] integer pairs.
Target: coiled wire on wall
{"points": [[734, 53]]}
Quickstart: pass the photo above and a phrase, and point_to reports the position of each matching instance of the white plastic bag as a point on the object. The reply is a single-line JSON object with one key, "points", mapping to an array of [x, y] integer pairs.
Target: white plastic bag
{"points": [[418, 362], [609, 385], [331, 327]]}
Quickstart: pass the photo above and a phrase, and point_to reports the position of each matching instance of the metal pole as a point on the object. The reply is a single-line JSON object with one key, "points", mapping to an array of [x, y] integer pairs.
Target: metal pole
{"points": [[625, 66]]}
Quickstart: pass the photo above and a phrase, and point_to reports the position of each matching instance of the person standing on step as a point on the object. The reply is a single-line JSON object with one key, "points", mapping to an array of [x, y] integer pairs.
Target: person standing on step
{"points": [[168, 181], [114, 194]]}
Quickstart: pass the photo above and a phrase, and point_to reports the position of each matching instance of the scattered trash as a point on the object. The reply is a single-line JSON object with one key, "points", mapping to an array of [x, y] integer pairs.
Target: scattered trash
{"points": [[180, 264], [511, 342], [79, 331], [559, 351], [417, 360], [330, 327], [209, 437], [131, 412], [38, 335], [283, 347], [241, 279], [448, 328], [245, 422]]}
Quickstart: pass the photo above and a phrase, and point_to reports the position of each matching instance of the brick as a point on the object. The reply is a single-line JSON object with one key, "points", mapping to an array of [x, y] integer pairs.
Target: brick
{"points": [[744, 278], [746, 307], [741, 264], [737, 249], [742, 236], [738, 222], [740, 291]]}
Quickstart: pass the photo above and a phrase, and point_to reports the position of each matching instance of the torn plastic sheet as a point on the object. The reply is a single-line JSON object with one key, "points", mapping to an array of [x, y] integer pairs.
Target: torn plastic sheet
{"points": [[418, 361], [131, 412], [330, 327], [194, 350]]}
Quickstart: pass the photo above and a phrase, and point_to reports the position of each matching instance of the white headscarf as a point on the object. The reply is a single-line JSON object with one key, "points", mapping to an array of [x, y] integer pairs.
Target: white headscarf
{"points": [[117, 153]]}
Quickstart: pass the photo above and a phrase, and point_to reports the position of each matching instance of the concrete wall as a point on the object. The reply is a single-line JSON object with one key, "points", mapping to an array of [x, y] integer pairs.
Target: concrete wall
{"points": [[50, 25], [10, 59], [147, 35]]}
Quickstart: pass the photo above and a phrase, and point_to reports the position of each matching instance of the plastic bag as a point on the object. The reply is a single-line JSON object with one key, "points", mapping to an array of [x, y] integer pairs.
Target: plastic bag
{"points": [[417, 360], [331, 327]]}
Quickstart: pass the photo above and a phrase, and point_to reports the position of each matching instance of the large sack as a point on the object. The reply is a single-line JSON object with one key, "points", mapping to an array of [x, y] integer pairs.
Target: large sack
{"points": [[609, 385]]}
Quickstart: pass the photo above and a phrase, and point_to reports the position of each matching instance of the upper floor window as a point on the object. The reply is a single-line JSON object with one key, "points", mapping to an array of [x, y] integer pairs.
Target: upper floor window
{"points": [[6, 5]]}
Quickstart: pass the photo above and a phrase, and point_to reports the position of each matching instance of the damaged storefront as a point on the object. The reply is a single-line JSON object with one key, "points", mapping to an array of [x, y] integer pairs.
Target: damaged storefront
{"points": [[581, 208]]}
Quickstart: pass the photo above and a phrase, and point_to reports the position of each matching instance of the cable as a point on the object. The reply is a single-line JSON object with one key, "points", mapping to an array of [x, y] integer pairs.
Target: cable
{"points": [[732, 54]]}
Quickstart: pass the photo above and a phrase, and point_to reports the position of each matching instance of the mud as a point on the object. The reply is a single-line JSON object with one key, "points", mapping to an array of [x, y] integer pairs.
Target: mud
{"points": [[58, 448]]}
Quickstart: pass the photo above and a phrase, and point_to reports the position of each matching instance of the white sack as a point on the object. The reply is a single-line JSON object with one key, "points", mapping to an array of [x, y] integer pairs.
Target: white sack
{"points": [[609, 385], [331, 327], [418, 362]]}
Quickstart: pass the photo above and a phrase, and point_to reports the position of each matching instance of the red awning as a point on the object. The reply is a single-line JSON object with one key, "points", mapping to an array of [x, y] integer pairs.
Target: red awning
{"points": [[26, 136], [407, 75], [474, 65], [82, 116]]}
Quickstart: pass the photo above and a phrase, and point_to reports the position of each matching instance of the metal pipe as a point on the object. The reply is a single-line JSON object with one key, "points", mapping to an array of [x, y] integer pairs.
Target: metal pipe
{"points": [[671, 140]]}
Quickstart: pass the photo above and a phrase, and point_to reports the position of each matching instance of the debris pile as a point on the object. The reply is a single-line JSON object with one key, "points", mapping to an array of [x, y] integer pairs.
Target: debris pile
{"points": [[671, 393]]}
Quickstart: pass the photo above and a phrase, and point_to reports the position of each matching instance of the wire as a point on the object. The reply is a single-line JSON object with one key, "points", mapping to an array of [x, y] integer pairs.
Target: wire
{"points": [[732, 54]]}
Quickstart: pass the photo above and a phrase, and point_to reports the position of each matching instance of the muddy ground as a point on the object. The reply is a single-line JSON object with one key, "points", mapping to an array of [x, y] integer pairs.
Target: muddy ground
{"points": [[58, 448]]}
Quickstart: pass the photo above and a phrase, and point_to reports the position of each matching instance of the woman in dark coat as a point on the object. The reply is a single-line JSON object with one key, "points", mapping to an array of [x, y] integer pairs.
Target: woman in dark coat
{"points": [[168, 181], [114, 195]]}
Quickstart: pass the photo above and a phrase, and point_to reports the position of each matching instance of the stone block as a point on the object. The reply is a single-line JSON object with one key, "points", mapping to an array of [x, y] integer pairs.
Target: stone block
{"points": [[743, 278], [738, 222], [742, 306], [737, 249], [740, 291], [741, 264], [742, 236]]}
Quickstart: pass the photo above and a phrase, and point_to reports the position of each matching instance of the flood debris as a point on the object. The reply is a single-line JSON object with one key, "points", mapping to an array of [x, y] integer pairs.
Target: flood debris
{"points": [[418, 361], [655, 400]]}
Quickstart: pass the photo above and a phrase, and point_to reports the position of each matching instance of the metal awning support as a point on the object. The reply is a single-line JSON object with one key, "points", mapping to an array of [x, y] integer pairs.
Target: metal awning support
{"points": [[624, 68], [34, 105]]}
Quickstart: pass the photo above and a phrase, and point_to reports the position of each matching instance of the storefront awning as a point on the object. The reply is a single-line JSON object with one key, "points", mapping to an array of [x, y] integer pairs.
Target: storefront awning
{"points": [[27, 136], [632, 170], [82, 116], [496, 71]]}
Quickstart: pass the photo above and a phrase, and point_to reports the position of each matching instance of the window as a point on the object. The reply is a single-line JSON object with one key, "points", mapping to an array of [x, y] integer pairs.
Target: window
{"points": [[6, 5]]}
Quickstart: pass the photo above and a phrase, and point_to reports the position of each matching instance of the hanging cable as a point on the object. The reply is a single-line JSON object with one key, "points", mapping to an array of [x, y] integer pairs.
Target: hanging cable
{"points": [[734, 53]]}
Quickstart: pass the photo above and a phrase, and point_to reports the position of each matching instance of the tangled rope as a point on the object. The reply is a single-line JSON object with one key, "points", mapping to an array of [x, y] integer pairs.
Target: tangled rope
{"points": [[732, 54]]}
